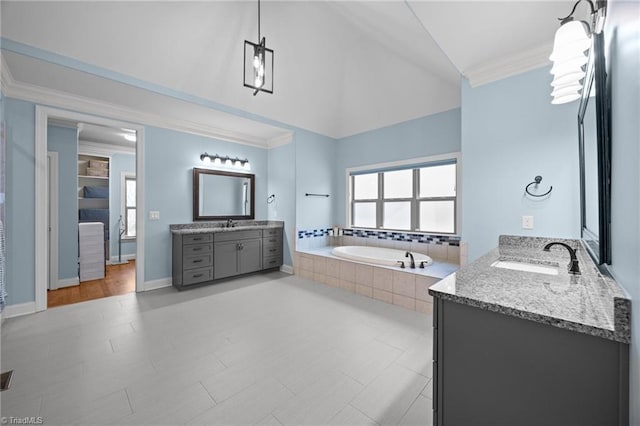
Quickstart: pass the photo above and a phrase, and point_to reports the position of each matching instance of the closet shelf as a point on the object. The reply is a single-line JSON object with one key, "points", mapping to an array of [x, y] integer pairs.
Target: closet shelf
{"points": [[93, 177]]}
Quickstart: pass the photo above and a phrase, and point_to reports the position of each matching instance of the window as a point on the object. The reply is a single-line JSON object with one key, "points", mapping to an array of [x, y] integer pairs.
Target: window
{"points": [[128, 206], [420, 197]]}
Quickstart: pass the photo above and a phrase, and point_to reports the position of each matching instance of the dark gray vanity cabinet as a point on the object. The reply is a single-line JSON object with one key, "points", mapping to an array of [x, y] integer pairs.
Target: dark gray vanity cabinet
{"points": [[203, 257], [495, 369], [192, 261], [237, 252], [272, 248]]}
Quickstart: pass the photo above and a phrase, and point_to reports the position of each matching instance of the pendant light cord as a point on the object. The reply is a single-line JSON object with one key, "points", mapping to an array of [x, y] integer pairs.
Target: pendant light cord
{"points": [[258, 21]]}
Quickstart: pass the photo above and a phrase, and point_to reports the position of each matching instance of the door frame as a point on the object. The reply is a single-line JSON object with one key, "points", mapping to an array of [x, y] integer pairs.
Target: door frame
{"points": [[43, 115], [52, 174]]}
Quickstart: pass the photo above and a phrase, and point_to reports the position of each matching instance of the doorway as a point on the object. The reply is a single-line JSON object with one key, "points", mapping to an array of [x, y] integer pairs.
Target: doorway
{"points": [[93, 228], [44, 117]]}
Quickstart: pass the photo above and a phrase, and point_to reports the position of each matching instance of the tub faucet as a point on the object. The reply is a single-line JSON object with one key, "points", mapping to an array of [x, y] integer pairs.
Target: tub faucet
{"points": [[413, 263], [230, 223], [573, 263]]}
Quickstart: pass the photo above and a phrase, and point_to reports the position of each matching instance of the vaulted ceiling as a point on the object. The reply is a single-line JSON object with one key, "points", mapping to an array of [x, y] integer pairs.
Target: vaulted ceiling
{"points": [[341, 67]]}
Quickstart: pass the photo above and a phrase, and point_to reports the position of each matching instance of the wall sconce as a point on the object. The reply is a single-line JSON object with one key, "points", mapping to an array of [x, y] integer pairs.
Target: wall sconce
{"points": [[571, 51], [225, 161], [258, 64]]}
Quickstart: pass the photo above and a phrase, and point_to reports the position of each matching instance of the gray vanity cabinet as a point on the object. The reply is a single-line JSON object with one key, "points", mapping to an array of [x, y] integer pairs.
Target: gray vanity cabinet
{"points": [[192, 261], [204, 257], [271, 248], [237, 252], [494, 369]]}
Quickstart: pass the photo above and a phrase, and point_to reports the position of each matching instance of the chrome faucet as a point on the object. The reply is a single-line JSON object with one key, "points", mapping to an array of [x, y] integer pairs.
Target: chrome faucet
{"points": [[413, 263], [573, 263], [230, 223]]}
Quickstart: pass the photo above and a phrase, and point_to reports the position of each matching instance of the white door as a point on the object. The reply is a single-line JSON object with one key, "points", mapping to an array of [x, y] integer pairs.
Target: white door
{"points": [[52, 225]]}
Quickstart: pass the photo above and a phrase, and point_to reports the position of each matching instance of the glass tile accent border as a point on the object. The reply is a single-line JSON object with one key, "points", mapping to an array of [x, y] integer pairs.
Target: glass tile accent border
{"points": [[311, 233], [444, 240]]}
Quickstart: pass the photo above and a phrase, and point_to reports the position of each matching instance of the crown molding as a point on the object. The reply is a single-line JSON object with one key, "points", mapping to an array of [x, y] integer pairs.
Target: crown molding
{"points": [[55, 98], [516, 64], [280, 140], [100, 148]]}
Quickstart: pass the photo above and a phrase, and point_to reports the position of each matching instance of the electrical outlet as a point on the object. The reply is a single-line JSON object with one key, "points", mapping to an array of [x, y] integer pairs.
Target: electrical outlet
{"points": [[527, 222], [154, 215]]}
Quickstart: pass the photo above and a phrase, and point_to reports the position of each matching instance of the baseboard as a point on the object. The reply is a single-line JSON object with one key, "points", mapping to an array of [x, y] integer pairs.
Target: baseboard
{"points": [[19, 309], [131, 256], [68, 282], [156, 284], [287, 269]]}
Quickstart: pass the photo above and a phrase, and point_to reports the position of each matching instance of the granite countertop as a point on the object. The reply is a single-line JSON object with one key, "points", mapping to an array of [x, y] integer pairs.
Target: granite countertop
{"points": [[221, 226], [590, 303]]}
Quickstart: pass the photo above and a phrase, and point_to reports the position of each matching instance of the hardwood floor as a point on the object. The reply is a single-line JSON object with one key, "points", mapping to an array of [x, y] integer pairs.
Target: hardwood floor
{"points": [[119, 279]]}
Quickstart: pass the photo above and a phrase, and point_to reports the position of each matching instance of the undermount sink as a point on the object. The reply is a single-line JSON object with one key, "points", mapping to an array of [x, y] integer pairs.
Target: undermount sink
{"points": [[526, 267]]}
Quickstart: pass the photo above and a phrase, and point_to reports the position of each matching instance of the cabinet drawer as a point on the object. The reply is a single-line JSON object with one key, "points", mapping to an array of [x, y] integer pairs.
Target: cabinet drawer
{"points": [[237, 235], [197, 238], [199, 261], [195, 249], [194, 276], [277, 240], [272, 232], [271, 250], [272, 262]]}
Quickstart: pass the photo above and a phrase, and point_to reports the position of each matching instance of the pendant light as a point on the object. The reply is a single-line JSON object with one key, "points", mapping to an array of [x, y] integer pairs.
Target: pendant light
{"points": [[258, 64]]}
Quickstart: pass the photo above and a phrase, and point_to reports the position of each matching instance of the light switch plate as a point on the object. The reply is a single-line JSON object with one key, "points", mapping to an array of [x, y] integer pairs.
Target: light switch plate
{"points": [[527, 222], [154, 215]]}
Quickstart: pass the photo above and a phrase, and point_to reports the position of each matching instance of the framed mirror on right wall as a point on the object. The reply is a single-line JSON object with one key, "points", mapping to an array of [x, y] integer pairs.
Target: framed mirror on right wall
{"points": [[595, 156]]}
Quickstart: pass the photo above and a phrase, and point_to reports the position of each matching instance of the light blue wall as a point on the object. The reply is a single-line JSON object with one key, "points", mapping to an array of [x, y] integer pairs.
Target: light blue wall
{"points": [[510, 133], [169, 158], [622, 36], [64, 141], [282, 182], [20, 201], [431, 135], [315, 156], [119, 163]]}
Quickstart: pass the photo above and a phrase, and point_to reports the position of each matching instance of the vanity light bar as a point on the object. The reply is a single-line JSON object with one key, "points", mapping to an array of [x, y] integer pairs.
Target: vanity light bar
{"points": [[224, 161]]}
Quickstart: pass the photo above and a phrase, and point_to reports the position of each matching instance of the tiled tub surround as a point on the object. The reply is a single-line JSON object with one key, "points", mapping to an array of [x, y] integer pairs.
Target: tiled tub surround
{"points": [[590, 303], [221, 226], [407, 288], [443, 248]]}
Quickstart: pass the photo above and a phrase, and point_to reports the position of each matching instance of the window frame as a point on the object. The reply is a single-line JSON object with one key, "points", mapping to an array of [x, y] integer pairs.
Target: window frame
{"points": [[415, 165], [124, 177]]}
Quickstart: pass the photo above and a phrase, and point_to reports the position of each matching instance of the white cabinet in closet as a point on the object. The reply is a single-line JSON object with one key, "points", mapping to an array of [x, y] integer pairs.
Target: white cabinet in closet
{"points": [[91, 250]]}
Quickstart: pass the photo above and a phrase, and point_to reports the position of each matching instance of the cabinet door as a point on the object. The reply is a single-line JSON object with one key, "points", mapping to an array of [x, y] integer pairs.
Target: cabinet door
{"points": [[225, 259], [250, 256]]}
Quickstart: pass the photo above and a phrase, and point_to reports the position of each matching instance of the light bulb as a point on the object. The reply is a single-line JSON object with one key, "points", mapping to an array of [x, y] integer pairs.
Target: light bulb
{"points": [[569, 66], [258, 81], [573, 37], [217, 161], [256, 62], [237, 163], [261, 70], [247, 165], [227, 162], [572, 77], [566, 90], [206, 159], [565, 98]]}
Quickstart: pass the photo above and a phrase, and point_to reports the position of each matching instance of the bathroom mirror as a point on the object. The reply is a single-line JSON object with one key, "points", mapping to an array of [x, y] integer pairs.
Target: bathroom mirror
{"points": [[595, 157], [221, 195]]}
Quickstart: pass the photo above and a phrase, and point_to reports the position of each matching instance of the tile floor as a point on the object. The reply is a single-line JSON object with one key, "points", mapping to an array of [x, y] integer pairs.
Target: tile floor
{"points": [[264, 349]]}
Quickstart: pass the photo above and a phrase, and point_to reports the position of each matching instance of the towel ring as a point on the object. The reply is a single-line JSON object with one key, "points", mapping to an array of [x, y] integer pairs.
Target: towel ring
{"points": [[535, 182]]}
